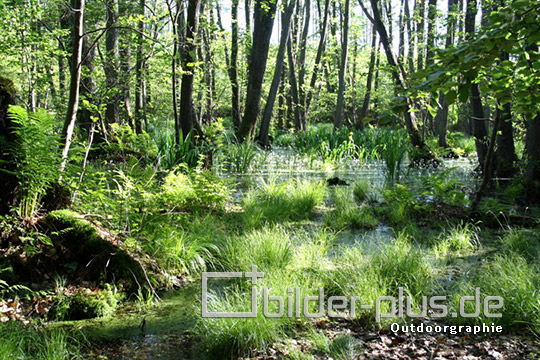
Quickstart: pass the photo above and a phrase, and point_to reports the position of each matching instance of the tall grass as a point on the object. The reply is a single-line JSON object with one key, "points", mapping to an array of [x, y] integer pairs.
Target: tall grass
{"points": [[512, 278], [268, 248], [274, 201], [394, 146], [171, 154], [461, 239], [240, 157], [347, 214], [25, 342]]}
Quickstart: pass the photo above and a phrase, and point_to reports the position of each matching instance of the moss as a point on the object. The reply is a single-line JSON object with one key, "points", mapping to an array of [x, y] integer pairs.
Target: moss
{"points": [[97, 258], [84, 304]]}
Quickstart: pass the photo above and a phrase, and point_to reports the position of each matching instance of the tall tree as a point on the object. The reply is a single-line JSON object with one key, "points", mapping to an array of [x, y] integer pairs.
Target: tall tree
{"points": [[76, 57], [399, 77], [140, 113], [318, 56], [369, 79], [270, 100], [233, 68], [111, 63], [441, 119], [263, 22], [338, 116], [188, 116], [302, 60], [478, 119]]}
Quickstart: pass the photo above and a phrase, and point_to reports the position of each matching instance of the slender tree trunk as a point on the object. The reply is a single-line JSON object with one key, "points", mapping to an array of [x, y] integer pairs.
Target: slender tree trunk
{"points": [[420, 28], [139, 72], [187, 109], [441, 119], [294, 87], [369, 80], [399, 76], [401, 53], [87, 87], [410, 36], [532, 173], [338, 116], [302, 61], [318, 57], [125, 65], [432, 13], [263, 23], [477, 112], [233, 69], [269, 107], [76, 57], [111, 65]]}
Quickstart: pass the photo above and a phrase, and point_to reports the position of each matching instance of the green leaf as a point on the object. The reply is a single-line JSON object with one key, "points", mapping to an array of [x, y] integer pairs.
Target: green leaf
{"points": [[451, 97]]}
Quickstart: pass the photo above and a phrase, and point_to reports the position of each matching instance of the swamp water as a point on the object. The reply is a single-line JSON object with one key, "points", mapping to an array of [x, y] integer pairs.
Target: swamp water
{"points": [[163, 331]]}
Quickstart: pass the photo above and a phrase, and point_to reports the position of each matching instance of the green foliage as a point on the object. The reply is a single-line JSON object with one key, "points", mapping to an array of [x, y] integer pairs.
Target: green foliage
{"points": [[37, 156], [286, 201], [512, 278], [125, 142], [324, 143], [232, 337], [400, 201], [185, 189], [444, 187], [360, 190], [29, 342], [175, 250]]}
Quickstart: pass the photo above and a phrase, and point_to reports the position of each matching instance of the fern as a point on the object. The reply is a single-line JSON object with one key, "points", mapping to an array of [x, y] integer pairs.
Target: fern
{"points": [[36, 156]]}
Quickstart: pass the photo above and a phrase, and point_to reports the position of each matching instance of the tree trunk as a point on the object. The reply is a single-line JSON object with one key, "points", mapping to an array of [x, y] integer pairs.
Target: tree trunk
{"points": [[532, 174], [302, 61], [7, 178], [432, 13], [187, 110], [318, 57], [410, 36], [233, 69], [111, 65], [338, 116], [441, 119], [369, 80], [88, 86], [420, 25], [269, 107], [399, 76], [477, 112], [263, 22], [140, 114], [294, 87], [76, 56]]}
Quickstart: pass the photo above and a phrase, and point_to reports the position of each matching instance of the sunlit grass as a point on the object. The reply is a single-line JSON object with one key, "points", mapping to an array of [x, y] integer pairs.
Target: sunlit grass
{"points": [[274, 201], [512, 278]]}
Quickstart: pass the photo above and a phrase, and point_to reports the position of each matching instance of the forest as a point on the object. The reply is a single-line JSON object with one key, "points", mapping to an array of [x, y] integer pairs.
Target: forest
{"points": [[364, 175]]}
